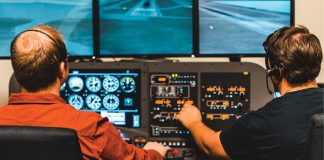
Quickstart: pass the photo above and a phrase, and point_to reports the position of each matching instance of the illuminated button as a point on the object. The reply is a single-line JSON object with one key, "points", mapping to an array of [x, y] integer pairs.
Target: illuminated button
{"points": [[226, 103], [162, 79], [210, 116], [189, 102], [128, 102], [232, 89], [210, 89], [159, 102], [242, 89], [224, 116]]}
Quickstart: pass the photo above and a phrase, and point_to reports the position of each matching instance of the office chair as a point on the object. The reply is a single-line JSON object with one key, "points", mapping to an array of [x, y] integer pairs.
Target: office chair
{"points": [[314, 147], [38, 143]]}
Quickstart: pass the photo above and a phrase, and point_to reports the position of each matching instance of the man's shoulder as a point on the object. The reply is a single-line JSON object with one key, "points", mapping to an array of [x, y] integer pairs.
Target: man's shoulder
{"points": [[86, 116], [85, 122]]}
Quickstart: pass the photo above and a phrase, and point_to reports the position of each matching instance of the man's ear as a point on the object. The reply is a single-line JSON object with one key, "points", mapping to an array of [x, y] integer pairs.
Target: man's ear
{"points": [[64, 72]]}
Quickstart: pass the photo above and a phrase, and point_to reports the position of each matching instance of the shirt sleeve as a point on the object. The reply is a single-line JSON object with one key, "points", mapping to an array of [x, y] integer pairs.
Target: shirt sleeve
{"points": [[115, 148], [237, 140]]}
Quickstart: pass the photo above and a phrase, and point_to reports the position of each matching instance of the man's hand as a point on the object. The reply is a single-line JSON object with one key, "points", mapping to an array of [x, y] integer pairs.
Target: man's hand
{"points": [[157, 147], [189, 115]]}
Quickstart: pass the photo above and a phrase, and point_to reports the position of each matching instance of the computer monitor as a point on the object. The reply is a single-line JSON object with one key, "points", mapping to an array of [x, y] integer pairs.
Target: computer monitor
{"points": [[239, 27], [146, 28], [72, 18], [113, 93]]}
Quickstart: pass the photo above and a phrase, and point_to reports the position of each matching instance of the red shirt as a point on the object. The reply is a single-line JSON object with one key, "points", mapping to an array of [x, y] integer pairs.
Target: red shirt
{"points": [[98, 138]]}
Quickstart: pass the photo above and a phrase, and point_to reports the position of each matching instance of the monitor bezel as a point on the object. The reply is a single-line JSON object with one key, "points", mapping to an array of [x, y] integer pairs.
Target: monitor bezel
{"points": [[94, 54], [239, 55], [147, 56]]}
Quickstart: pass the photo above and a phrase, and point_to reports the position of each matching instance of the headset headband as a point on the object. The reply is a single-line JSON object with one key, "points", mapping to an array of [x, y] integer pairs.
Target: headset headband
{"points": [[60, 49], [39, 31]]}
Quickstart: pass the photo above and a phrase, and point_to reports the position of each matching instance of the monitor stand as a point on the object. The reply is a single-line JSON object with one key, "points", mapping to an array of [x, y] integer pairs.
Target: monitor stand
{"points": [[148, 60], [235, 59], [94, 59]]}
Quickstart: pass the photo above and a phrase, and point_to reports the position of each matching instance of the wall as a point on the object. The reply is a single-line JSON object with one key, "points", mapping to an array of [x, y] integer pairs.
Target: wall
{"points": [[309, 13]]}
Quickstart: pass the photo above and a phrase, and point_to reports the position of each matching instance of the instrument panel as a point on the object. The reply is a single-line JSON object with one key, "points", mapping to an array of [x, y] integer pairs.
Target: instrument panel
{"points": [[224, 99], [113, 93], [168, 93], [142, 99]]}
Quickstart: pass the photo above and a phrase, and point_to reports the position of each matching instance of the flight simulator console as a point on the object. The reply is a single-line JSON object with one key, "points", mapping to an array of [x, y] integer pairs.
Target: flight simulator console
{"points": [[143, 99]]}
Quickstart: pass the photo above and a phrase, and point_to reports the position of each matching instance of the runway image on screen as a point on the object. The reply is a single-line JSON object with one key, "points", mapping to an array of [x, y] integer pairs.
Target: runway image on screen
{"points": [[239, 26], [72, 18], [145, 27]]}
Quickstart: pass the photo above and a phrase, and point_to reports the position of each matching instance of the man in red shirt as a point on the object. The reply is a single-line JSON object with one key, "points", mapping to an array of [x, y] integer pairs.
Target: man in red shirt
{"points": [[39, 60]]}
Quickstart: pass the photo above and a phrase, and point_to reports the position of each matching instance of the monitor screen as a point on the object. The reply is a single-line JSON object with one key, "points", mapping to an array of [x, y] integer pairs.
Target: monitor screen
{"points": [[113, 93], [145, 27], [239, 26], [72, 18]]}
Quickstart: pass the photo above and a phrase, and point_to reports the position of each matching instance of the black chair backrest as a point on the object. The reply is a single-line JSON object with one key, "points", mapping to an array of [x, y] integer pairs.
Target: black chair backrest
{"points": [[314, 148], [14, 86], [38, 143]]}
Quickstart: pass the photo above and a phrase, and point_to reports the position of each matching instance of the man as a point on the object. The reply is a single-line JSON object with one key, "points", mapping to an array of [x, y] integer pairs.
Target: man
{"points": [[279, 129], [39, 60]]}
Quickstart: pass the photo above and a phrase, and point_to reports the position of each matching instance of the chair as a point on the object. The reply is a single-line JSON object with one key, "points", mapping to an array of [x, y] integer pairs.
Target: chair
{"points": [[38, 143], [14, 86], [314, 147]]}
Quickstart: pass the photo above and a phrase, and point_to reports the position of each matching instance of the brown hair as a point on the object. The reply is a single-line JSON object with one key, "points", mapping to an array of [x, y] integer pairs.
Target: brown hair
{"points": [[296, 52], [36, 55]]}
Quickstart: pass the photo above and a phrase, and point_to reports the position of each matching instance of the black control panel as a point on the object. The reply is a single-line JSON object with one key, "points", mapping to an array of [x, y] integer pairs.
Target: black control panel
{"points": [[168, 93], [225, 97]]}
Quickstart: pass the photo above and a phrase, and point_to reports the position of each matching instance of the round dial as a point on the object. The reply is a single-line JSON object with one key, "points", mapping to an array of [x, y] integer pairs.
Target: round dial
{"points": [[93, 101], [111, 102], [75, 84], [76, 101], [93, 84], [110, 84], [127, 84]]}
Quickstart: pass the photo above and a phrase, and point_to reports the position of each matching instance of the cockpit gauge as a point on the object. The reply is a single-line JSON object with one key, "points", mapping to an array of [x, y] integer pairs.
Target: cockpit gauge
{"points": [[76, 101]]}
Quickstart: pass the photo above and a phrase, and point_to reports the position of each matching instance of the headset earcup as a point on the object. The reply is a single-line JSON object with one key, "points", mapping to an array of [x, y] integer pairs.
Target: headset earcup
{"points": [[276, 73]]}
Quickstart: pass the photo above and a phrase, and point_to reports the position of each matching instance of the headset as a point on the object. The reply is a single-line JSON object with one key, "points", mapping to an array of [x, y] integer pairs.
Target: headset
{"points": [[60, 49], [272, 70]]}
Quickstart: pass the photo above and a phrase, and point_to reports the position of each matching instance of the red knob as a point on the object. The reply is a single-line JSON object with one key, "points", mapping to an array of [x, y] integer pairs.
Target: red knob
{"points": [[175, 152]]}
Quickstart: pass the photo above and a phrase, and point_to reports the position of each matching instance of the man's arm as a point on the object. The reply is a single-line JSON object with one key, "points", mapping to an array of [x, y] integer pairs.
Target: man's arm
{"points": [[206, 139], [115, 148]]}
